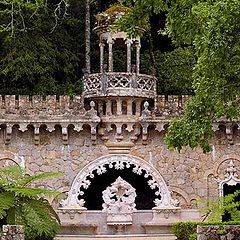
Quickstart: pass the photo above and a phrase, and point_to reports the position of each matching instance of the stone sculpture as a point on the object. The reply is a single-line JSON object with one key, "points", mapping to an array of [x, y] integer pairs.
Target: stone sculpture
{"points": [[119, 202]]}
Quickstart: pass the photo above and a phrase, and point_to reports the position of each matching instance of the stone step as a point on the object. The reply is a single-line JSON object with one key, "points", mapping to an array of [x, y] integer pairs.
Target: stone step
{"points": [[118, 237]]}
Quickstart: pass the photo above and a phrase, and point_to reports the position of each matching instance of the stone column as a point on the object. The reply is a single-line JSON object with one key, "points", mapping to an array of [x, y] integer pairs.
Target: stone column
{"points": [[138, 108], [138, 46], [101, 45], [119, 107], [100, 107], [129, 59], [108, 107], [110, 55], [129, 107]]}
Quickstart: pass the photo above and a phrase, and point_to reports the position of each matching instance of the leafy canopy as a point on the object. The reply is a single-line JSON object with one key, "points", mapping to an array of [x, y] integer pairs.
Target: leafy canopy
{"points": [[41, 47], [212, 28], [25, 205]]}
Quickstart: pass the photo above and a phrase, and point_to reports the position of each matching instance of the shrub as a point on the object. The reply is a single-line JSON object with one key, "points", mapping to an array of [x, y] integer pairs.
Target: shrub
{"points": [[185, 230]]}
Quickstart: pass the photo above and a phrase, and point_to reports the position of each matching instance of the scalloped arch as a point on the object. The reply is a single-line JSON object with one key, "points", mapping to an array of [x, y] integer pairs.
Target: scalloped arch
{"points": [[120, 161]]}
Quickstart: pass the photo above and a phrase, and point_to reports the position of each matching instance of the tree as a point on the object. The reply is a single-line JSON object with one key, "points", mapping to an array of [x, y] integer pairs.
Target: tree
{"points": [[25, 205], [16, 14], [45, 58], [212, 28]]}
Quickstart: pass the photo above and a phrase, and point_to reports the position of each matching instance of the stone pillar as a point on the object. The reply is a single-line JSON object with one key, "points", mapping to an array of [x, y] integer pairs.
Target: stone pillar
{"points": [[119, 107], [129, 59], [110, 55], [108, 107], [101, 45], [100, 107], [138, 108], [129, 107], [138, 46]]}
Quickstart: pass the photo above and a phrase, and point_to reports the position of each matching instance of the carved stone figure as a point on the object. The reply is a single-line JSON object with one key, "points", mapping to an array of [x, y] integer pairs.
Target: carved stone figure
{"points": [[120, 195], [119, 202]]}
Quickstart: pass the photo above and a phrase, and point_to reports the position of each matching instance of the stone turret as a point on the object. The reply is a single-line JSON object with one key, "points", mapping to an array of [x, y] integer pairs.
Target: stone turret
{"points": [[130, 88]]}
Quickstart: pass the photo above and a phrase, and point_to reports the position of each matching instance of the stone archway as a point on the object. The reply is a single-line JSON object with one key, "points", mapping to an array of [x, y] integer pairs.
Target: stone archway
{"points": [[82, 181]]}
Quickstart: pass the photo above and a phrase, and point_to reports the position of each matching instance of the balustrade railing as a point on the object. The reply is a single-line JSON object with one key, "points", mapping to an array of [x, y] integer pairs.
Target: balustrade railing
{"points": [[119, 84]]}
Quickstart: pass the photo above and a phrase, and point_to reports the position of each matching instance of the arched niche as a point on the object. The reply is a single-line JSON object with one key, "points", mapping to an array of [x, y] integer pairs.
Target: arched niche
{"points": [[138, 166], [231, 179]]}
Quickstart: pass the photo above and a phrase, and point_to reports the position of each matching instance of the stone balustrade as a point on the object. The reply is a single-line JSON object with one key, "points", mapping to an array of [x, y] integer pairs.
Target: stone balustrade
{"points": [[119, 84]]}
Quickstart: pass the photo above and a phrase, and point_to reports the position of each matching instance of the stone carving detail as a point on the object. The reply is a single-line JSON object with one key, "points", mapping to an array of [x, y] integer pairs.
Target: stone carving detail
{"points": [[146, 112], [118, 81], [74, 204], [119, 197], [92, 82], [92, 113], [231, 177], [99, 166], [119, 202]]}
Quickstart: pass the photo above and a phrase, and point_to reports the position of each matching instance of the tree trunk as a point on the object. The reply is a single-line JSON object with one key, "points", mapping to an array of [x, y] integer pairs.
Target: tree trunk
{"points": [[87, 37]]}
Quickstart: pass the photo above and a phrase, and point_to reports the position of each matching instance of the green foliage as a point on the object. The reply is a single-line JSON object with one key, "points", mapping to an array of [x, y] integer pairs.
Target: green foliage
{"points": [[14, 13], [185, 230], [45, 58], [216, 75], [176, 69], [212, 27], [117, 8], [25, 205], [216, 209]]}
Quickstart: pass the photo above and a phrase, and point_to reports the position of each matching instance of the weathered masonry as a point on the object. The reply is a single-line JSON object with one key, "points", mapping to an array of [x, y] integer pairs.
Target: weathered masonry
{"points": [[119, 176]]}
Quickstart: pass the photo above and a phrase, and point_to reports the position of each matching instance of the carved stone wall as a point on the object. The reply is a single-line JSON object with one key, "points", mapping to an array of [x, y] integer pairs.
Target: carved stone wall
{"points": [[69, 137], [190, 174]]}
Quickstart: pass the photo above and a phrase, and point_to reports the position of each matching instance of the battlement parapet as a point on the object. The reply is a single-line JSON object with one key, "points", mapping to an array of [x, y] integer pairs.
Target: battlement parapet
{"points": [[170, 106], [24, 106]]}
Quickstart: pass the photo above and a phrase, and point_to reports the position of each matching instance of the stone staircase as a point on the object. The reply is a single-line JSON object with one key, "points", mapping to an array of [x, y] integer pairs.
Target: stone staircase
{"points": [[117, 237]]}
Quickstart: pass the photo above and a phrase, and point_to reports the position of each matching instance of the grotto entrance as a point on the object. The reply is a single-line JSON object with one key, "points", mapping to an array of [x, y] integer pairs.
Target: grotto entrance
{"points": [[151, 189], [118, 194], [144, 194]]}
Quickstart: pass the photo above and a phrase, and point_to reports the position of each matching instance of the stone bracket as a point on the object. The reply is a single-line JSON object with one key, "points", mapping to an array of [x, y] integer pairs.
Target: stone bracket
{"points": [[229, 132], [8, 134], [144, 133], [65, 134], [36, 134]]}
